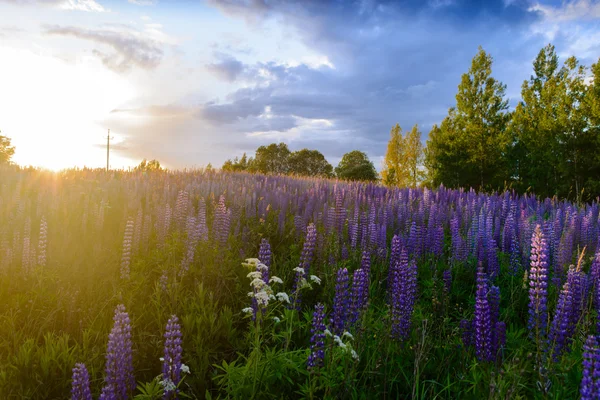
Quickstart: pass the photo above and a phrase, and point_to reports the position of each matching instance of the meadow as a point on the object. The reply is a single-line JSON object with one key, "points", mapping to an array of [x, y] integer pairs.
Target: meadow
{"points": [[205, 284]]}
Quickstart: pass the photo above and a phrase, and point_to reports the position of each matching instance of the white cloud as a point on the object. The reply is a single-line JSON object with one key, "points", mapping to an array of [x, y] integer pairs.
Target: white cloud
{"points": [[578, 9], [143, 2], [82, 5]]}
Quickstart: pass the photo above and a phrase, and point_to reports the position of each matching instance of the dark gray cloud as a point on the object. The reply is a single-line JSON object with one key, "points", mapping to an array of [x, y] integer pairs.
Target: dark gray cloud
{"points": [[128, 49]]}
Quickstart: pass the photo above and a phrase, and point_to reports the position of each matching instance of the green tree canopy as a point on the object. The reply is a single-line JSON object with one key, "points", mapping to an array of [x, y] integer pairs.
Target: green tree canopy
{"points": [[394, 172], [238, 164], [413, 156], [355, 165], [271, 159], [473, 140], [6, 150], [309, 163], [555, 148], [152, 165]]}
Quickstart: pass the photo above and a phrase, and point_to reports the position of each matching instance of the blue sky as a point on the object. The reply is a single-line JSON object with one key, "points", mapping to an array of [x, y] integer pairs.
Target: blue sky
{"points": [[192, 82]]}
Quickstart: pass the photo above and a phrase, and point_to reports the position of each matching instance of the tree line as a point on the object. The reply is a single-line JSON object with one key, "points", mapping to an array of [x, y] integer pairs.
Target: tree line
{"points": [[549, 145], [277, 158]]}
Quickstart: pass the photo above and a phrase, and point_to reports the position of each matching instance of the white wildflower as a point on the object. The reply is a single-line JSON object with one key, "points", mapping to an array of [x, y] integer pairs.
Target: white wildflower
{"points": [[261, 267], [271, 297], [283, 297], [162, 359], [327, 332], [304, 284], [254, 275], [262, 298], [168, 385], [299, 270], [348, 334], [251, 263], [339, 342], [185, 369], [315, 279], [275, 279], [250, 294], [257, 283], [276, 319], [354, 354], [248, 310]]}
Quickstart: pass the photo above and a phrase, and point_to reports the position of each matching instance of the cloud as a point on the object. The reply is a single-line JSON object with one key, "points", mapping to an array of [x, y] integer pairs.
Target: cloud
{"points": [[143, 2], [129, 48], [79, 5], [569, 11], [227, 68]]}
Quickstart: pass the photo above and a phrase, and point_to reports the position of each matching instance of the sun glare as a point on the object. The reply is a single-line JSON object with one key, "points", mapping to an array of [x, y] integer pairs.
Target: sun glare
{"points": [[53, 109]]}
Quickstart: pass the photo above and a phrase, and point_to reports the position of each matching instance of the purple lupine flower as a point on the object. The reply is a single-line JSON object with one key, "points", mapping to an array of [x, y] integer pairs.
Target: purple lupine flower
{"points": [[108, 393], [438, 241], [590, 383], [264, 255], [119, 362], [482, 320], [360, 294], [458, 250], [221, 222], [137, 232], [413, 241], [126, 257], [447, 277], [493, 266], [42, 243], [306, 258], [538, 283], [565, 256], [365, 264], [345, 254], [514, 255], [317, 341], [403, 296], [341, 302], [578, 284], [163, 281], [81, 383], [560, 329], [171, 369]]}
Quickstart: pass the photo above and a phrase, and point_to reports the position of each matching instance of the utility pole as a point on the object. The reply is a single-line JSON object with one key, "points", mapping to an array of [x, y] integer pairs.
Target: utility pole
{"points": [[107, 150]]}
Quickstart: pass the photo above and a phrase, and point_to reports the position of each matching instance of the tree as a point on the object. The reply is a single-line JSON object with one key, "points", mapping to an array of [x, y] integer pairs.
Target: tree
{"points": [[236, 165], [446, 155], [481, 116], [6, 150], [413, 156], [554, 148], [148, 166], [271, 159], [307, 162], [355, 165], [476, 131], [394, 173]]}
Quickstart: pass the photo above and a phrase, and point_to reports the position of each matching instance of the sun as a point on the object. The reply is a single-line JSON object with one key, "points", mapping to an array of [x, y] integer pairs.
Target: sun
{"points": [[53, 109]]}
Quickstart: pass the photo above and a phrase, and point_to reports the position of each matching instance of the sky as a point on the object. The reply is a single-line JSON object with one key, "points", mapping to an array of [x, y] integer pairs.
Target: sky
{"points": [[192, 82]]}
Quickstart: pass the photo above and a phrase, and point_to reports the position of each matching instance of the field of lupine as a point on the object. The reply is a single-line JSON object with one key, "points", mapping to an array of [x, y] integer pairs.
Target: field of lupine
{"points": [[220, 285]]}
